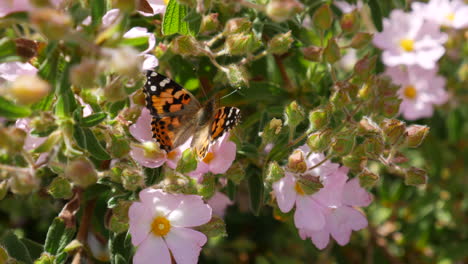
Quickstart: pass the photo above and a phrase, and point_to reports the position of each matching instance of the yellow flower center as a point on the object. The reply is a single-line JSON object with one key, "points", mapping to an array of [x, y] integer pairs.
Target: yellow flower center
{"points": [[209, 157], [299, 189], [166, 2], [410, 92], [172, 155], [450, 17], [160, 226], [407, 44]]}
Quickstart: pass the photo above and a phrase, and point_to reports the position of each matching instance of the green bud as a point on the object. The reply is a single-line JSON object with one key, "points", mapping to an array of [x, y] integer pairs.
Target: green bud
{"points": [[280, 43], [354, 161], [340, 99], [309, 184], [188, 161], [210, 23], [373, 146], [360, 40], [132, 179], [296, 162], [365, 67], [237, 75], [81, 172], [318, 119], [237, 25], [73, 246], [118, 221], [60, 188], [45, 258], [24, 182], [367, 126], [28, 89], [132, 113], [367, 179], [272, 130], [415, 176], [343, 144], [120, 146], [281, 10], [242, 43], [3, 189], [323, 17], [236, 173], [53, 23], [390, 107], [43, 124], [51, 142], [350, 22], [394, 131], [207, 187], [294, 114], [84, 75], [332, 54], [215, 227], [274, 172], [415, 135], [312, 53], [115, 91], [12, 139], [319, 141], [186, 46]]}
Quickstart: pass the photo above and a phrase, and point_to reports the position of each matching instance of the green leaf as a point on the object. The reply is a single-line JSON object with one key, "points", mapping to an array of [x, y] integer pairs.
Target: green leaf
{"points": [[256, 189], [15, 248], [10, 110], [98, 9], [58, 237], [376, 14], [66, 104], [35, 249], [152, 176], [94, 146], [93, 120], [79, 136], [173, 21], [118, 246]]}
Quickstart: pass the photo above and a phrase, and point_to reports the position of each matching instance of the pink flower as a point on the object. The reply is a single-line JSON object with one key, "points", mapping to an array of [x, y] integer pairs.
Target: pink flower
{"points": [[410, 40], [346, 7], [160, 225], [219, 202], [443, 12], [31, 142], [10, 71], [218, 159], [11, 6], [342, 220], [420, 90], [149, 155], [158, 6]]}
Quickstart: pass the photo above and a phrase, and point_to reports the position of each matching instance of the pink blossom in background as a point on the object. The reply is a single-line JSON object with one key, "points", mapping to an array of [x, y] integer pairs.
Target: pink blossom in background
{"points": [[161, 227], [420, 90], [219, 202], [346, 7], [10, 71], [219, 158], [158, 6], [11, 6], [407, 39], [443, 12], [31, 142], [141, 131]]}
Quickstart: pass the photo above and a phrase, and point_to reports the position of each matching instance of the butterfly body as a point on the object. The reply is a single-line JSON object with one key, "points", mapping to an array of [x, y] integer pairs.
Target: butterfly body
{"points": [[177, 115]]}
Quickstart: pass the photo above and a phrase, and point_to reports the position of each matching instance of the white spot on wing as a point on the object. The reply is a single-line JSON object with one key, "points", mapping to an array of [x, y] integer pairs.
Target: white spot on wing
{"points": [[164, 82], [153, 88], [154, 74]]}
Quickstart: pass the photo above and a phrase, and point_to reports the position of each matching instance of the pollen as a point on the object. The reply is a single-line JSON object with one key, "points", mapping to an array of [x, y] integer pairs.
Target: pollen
{"points": [[407, 44], [450, 17], [410, 92], [209, 157], [160, 226], [299, 189]]}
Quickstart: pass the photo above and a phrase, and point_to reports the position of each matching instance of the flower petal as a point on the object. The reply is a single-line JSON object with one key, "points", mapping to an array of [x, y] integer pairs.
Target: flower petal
{"points": [[185, 244], [355, 195], [141, 130], [140, 219], [320, 238], [192, 211], [343, 220], [309, 215], [152, 250], [285, 192]]}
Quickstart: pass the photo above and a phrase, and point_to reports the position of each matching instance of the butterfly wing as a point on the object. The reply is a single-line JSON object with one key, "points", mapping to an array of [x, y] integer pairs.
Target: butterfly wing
{"points": [[173, 109]]}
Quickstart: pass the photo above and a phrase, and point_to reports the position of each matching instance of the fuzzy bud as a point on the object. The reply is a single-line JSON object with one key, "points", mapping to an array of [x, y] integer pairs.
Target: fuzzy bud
{"points": [[332, 54], [281, 10], [83, 75], [394, 131], [373, 146], [361, 39], [280, 43], [354, 161], [81, 172], [274, 172], [294, 114], [415, 176], [124, 61], [29, 89], [319, 141], [367, 126], [323, 17], [210, 23], [120, 147], [51, 142], [415, 135], [237, 75], [188, 161], [242, 43], [115, 91], [367, 179], [343, 144], [312, 53], [272, 130], [186, 46], [43, 124], [350, 22], [24, 182], [237, 25], [318, 119], [390, 107], [132, 179], [365, 67], [296, 162], [339, 99], [60, 188], [12, 139], [54, 24], [309, 184]]}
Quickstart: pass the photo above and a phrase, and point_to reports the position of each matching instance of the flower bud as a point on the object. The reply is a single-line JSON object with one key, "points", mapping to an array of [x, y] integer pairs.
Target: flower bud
{"points": [[274, 172], [45, 258], [332, 54], [83, 75], [29, 89], [188, 161], [350, 22], [367, 126], [124, 61], [296, 162], [210, 23], [280, 43], [12, 139], [415, 134], [81, 172], [53, 23], [354, 161], [242, 43], [3, 189], [340, 99], [43, 125], [186, 46], [365, 67], [236, 173], [373, 146], [309, 184], [394, 131], [312, 53], [132, 179], [365, 91], [237, 75], [294, 114], [24, 182], [415, 176], [343, 144], [390, 107], [281, 10], [323, 17], [318, 119], [367, 179], [132, 113], [361, 39], [319, 141], [115, 91], [237, 25], [272, 130], [60, 188], [214, 228], [119, 146], [159, 50]]}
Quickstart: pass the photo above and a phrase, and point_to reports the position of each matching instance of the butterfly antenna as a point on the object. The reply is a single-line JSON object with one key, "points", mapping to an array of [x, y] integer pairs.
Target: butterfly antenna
{"points": [[233, 92]]}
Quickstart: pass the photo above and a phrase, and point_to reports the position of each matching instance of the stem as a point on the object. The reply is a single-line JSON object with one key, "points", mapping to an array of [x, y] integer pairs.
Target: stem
{"points": [[253, 58], [321, 162], [12, 168], [284, 74], [82, 235], [214, 39]]}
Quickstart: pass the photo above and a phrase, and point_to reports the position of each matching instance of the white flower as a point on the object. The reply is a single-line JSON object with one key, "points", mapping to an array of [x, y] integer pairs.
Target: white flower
{"points": [[443, 12]]}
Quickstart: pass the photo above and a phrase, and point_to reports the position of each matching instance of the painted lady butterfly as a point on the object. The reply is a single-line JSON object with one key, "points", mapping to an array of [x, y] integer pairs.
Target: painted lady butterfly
{"points": [[177, 115]]}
